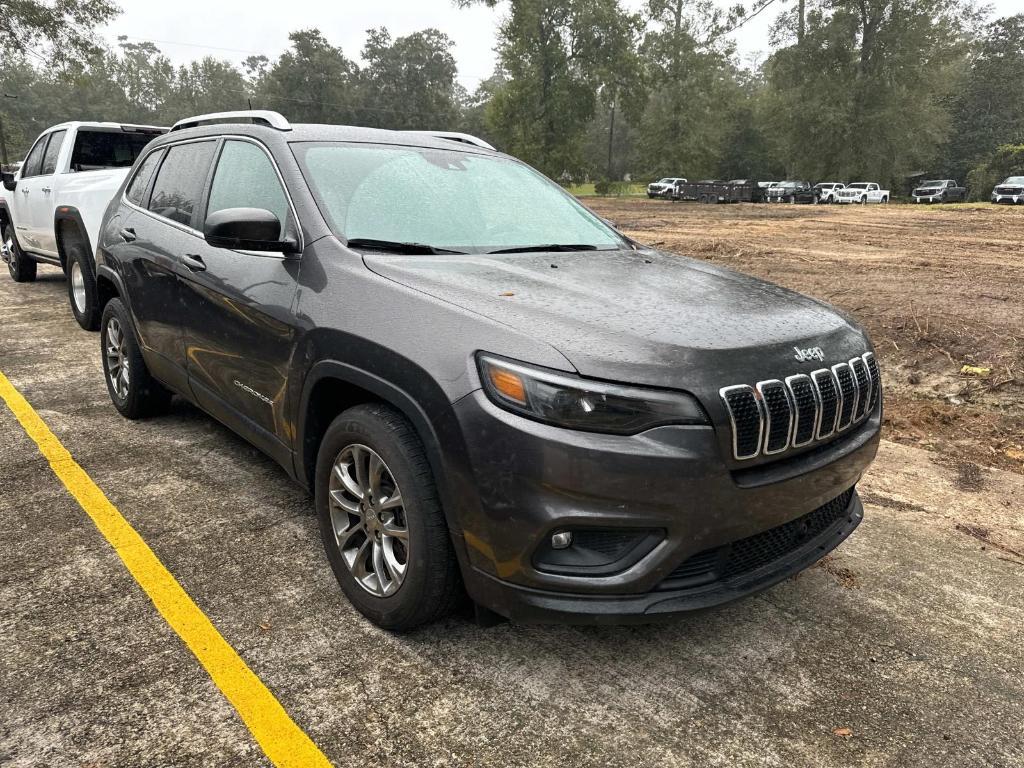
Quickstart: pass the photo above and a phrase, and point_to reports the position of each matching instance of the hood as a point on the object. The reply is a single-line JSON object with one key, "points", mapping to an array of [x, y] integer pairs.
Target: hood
{"points": [[639, 316]]}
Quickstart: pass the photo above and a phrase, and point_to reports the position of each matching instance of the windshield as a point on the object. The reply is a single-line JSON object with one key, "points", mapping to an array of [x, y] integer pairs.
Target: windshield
{"points": [[857, 186], [933, 183], [446, 199], [1015, 180]]}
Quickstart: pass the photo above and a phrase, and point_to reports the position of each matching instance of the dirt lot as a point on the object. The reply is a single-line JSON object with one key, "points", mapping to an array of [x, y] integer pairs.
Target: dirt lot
{"points": [[902, 649], [938, 287]]}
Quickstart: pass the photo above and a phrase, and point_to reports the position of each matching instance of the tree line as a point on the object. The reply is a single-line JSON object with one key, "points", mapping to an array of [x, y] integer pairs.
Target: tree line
{"points": [[586, 89]]}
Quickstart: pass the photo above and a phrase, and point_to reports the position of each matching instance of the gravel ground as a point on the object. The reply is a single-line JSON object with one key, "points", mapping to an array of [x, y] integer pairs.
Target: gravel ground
{"points": [[903, 648]]}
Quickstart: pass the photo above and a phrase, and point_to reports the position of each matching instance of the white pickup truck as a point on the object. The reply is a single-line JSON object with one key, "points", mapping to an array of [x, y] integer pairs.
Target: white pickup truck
{"points": [[862, 192], [52, 206]]}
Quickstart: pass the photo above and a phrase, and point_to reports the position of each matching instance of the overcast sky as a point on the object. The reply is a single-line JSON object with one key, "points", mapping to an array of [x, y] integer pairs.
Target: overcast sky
{"points": [[235, 29]]}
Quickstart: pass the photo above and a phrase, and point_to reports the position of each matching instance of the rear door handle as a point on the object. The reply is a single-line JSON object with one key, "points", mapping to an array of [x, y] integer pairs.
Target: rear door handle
{"points": [[24, 190], [127, 234], [47, 190], [194, 262]]}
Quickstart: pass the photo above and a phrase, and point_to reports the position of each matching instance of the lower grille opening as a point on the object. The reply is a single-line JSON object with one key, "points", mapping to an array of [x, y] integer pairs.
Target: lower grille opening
{"points": [[739, 558]]}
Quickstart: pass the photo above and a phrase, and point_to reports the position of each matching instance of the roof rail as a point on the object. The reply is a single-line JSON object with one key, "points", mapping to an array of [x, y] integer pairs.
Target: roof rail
{"points": [[255, 116], [464, 138]]}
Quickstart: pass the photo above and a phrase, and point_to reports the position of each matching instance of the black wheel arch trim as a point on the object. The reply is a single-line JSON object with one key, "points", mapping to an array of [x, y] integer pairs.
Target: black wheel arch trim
{"points": [[426, 428], [72, 214]]}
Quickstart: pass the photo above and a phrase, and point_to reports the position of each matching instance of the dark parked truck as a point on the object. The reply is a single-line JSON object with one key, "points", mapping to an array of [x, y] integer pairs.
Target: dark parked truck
{"points": [[487, 389], [793, 192], [1010, 191], [939, 191]]}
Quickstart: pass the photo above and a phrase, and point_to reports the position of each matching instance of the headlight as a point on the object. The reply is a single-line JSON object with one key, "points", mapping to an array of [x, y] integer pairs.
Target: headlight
{"points": [[577, 403]]}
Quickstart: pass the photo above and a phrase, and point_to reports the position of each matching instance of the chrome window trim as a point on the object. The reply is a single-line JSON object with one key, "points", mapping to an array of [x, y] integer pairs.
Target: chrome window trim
{"points": [[795, 421], [768, 416], [732, 419], [853, 407], [815, 375]]}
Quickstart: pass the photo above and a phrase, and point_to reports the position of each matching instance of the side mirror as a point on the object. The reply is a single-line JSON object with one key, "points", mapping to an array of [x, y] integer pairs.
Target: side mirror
{"points": [[9, 183], [247, 229]]}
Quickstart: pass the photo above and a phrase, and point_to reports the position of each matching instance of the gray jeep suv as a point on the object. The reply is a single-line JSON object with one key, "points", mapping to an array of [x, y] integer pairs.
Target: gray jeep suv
{"points": [[487, 388]]}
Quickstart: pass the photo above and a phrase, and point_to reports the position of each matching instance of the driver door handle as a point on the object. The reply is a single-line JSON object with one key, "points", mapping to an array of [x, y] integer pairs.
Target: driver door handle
{"points": [[24, 190], [194, 262], [47, 190]]}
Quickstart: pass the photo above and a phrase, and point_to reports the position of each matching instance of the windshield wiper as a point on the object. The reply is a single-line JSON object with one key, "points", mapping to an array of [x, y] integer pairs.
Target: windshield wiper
{"points": [[549, 247], [396, 247]]}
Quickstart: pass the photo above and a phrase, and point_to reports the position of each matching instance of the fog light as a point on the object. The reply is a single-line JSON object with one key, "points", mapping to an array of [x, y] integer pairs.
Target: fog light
{"points": [[561, 540]]}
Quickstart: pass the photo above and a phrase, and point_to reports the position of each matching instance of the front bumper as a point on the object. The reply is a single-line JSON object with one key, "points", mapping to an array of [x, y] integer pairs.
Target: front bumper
{"points": [[671, 484], [1008, 199], [927, 198]]}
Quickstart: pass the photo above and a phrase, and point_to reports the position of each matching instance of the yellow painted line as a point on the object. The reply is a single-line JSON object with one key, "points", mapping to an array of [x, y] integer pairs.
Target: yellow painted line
{"points": [[277, 734]]}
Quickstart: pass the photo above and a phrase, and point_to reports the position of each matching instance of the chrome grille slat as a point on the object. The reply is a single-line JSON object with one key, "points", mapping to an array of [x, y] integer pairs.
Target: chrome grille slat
{"points": [[779, 416], [775, 415], [747, 417], [863, 381], [847, 393], [828, 396]]}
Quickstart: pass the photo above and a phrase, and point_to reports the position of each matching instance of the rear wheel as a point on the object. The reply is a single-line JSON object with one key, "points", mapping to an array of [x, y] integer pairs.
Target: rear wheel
{"points": [[22, 268], [82, 294], [381, 521], [133, 391]]}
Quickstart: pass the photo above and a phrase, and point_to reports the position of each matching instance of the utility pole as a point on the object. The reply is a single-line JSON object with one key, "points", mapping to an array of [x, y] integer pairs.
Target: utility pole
{"points": [[3, 138], [611, 138]]}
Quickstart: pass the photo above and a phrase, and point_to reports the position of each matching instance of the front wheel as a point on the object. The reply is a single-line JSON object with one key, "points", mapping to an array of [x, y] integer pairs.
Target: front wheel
{"points": [[863, 199], [133, 391], [22, 268], [381, 521], [82, 294]]}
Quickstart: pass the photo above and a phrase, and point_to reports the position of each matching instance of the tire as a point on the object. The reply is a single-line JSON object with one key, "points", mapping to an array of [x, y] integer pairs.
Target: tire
{"points": [[429, 585], [864, 200], [791, 200], [82, 294], [21, 266], [135, 393], [885, 200]]}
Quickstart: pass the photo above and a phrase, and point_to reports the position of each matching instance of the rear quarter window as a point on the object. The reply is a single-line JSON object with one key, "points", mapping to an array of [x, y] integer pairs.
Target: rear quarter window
{"points": [[140, 182], [180, 181]]}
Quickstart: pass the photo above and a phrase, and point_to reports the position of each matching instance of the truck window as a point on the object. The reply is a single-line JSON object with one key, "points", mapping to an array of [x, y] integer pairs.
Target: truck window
{"points": [[52, 150], [180, 181], [245, 178], [34, 161], [96, 150], [137, 189]]}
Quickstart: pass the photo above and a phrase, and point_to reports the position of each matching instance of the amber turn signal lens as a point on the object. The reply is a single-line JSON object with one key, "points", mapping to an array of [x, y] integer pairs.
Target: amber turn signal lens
{"points": [[508, 384]]}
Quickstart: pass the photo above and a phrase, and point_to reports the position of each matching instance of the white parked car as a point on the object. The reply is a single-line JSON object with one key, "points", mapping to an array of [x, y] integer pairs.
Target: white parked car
{"points": [[53, 204], [862, 192], [827, 190], [663, 187]]}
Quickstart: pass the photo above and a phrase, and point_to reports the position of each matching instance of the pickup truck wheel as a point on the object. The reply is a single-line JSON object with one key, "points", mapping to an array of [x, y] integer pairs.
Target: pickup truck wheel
{"points": [[134, 392], [82, 288], [381, 521], [791, 200], [22, 268], [863, 199]]}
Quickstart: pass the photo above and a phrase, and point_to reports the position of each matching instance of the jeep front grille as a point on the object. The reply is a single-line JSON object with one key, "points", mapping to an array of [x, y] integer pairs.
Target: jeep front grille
{"points": [[773, 415]]}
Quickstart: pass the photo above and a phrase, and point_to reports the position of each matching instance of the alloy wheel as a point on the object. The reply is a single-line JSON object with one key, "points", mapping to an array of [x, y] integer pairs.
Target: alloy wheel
{"points": [[8, 254], [368, 520], [78, 286], [116, 351]]}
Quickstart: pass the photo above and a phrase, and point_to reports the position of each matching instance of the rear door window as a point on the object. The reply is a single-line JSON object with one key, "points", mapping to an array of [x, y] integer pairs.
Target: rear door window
{"points": [[96, 150], [34, 161], [245, 178], [179, 183], [140, 183], [52, 150]]}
